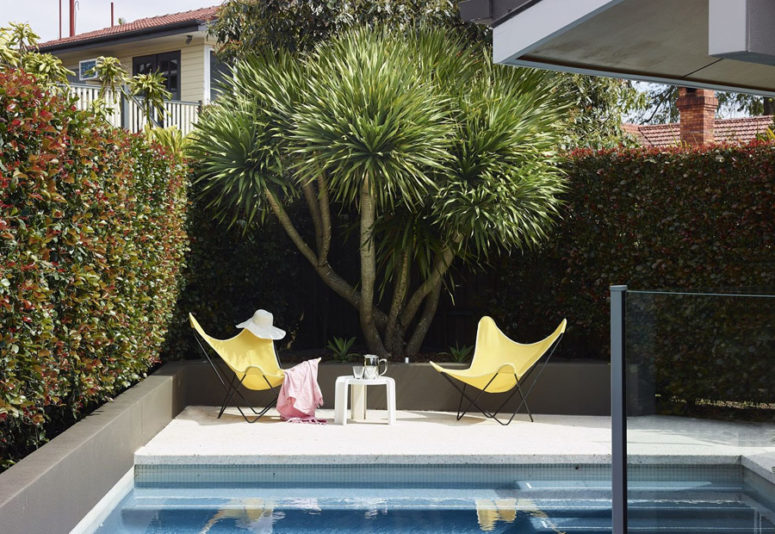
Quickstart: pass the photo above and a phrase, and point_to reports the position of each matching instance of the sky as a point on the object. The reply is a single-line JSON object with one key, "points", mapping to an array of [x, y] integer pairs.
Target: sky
{"points": [[43, 15]]}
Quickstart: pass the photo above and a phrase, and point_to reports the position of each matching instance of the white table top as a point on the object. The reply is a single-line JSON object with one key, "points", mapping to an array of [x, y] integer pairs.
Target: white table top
{"points": [[364, 381]]}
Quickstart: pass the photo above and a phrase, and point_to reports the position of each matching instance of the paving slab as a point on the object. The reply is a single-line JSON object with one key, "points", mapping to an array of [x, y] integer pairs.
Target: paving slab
{"points": [[197, 436]]}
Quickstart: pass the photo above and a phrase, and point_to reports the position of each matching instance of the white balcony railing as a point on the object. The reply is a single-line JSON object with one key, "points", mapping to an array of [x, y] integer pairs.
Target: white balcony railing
{"points": [[127, 113]]}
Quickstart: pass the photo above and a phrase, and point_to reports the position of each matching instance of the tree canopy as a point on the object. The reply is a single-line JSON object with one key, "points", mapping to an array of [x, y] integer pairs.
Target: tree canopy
{"points": [[246, 26], [661, 104], [440, 153], [597, 104]]}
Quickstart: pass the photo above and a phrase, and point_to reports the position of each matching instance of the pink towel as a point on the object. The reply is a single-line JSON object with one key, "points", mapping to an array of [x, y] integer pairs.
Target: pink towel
{"points": [[300, 393]]}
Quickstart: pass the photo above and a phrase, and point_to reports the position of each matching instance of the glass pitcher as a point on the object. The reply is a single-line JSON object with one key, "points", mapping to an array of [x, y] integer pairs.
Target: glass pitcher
{"points": [[371, 365]]}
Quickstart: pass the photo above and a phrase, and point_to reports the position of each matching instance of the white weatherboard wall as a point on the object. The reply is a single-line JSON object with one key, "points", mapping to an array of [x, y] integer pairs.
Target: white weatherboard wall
{"points": [[192, 82]]}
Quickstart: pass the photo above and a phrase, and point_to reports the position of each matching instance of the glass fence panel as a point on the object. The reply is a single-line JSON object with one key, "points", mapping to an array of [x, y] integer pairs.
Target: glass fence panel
{"points": [[700, 382]]}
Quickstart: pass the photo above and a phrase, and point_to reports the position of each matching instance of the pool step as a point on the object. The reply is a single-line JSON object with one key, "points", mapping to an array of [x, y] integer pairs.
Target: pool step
{"points": [[698, 517], [586, 517]]}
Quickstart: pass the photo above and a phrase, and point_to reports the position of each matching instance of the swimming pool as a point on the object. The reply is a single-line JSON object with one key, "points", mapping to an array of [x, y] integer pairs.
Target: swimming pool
{"points": [[439, 498]]}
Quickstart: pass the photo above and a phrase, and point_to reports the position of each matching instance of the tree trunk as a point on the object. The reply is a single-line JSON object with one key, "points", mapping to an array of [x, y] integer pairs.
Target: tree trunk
{"points": [[394, 342], [327, 274], [310, 196], [441, 265], [325, 217], [421, 330], [368, 270]]}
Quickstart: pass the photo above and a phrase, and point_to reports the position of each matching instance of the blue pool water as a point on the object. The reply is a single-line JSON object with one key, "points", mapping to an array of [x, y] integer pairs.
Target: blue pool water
{"points": [[537, 501]]}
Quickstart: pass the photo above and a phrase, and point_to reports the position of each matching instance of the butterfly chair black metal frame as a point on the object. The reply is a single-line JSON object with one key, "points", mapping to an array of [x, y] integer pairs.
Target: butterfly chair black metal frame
{"points": [[253, 362], [500, 365]]}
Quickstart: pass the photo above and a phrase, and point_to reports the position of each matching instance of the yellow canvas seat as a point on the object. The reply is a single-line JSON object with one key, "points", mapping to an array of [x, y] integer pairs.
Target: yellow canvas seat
{"points": [[500, 365], [252, 360]]}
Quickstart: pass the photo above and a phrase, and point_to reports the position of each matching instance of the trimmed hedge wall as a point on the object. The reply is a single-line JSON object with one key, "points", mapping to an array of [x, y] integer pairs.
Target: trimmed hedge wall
{"points": [[677, 219], [92, 243], [671, 219], [229, 275]]}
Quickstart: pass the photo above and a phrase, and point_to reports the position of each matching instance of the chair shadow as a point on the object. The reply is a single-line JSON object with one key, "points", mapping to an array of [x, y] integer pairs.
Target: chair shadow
{"points": [[445, 418], [208, 416]]}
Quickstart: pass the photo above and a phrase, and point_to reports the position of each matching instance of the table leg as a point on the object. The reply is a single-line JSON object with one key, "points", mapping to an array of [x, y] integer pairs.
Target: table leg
{"points": [[340, 403], [390, 388], [358, 412]]}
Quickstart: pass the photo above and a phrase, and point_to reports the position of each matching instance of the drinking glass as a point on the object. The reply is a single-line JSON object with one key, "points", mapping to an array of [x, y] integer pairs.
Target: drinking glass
{"points": [[358, 371]]}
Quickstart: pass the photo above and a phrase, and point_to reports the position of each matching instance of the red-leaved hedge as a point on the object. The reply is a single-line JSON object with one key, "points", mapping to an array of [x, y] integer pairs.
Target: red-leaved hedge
{"points": [[683, 219], [678, 219], [92, 242]]}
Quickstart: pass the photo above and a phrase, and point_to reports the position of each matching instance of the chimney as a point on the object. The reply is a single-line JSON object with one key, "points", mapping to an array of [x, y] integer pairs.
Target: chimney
{"points": [[698, 115]]}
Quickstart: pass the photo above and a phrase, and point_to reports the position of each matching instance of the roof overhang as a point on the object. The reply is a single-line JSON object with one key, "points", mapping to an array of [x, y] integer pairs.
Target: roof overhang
{"points": [[127, 37], [715, 44]]}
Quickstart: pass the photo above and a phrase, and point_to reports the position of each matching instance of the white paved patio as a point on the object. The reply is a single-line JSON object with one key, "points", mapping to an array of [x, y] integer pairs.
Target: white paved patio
{"points": [[197, 436]]}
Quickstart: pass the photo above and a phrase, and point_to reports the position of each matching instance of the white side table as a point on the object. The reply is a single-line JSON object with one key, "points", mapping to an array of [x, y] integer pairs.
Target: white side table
{"points": [[359, 386]]}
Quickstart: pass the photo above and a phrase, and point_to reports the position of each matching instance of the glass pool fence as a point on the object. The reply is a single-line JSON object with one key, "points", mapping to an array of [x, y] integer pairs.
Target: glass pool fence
{"points": [[693, 410]]}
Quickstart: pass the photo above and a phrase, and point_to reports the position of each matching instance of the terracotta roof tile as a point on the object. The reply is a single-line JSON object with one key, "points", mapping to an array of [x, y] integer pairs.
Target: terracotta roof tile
{"points": [[740, 130], [195, 15]]}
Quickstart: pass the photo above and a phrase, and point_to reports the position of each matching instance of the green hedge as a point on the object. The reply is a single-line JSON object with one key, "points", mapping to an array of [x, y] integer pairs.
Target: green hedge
{"points": [[92, 241], [681, 218], [230, 274], [701, 353], [675, 219]]}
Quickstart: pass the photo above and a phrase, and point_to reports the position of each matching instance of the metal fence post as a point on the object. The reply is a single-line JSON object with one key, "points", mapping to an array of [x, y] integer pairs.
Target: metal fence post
{"points": [[618, 413]]}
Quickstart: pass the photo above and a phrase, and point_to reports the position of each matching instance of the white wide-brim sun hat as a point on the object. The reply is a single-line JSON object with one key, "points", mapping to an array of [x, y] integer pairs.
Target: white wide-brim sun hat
{"points": [[260, 325]]}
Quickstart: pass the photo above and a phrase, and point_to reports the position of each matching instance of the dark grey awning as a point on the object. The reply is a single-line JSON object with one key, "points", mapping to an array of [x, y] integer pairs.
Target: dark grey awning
{"points": [[717, 44]]}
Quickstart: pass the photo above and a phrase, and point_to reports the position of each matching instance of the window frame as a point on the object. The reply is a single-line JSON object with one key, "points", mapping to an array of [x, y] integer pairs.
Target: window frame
{"points": [[155, 60]]}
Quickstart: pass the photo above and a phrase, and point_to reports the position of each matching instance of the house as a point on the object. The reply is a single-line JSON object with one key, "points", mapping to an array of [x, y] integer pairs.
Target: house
{"points": [[177, 45], [698, 124]]}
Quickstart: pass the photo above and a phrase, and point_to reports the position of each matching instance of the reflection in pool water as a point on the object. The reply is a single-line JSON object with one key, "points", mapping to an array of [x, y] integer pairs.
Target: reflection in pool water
{"points": [[461, 511]]}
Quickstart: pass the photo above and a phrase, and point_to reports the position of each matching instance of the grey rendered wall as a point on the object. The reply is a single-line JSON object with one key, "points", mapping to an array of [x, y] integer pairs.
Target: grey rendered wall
{"points": [[579, 388]]}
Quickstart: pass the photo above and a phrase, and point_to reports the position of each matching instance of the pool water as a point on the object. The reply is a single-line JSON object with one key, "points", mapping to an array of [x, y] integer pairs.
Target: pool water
{"points": [[343, 510], [534, 502]]}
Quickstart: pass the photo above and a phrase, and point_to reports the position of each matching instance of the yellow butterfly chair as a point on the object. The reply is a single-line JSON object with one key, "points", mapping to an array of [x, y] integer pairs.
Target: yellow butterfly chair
{"points": [[252, 360], [500, 365]]}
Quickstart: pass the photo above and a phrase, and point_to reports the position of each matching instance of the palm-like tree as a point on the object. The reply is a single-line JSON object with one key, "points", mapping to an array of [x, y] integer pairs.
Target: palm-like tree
{"points": [[442, 154]]}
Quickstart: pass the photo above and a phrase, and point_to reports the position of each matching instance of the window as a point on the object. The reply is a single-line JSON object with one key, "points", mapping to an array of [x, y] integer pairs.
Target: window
{"points": [[218, 71], [168, 64]]}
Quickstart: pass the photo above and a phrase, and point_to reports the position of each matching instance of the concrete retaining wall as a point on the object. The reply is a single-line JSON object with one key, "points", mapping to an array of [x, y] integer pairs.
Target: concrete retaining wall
{"points": [[577, 388], [50, 490], [54, 487]]}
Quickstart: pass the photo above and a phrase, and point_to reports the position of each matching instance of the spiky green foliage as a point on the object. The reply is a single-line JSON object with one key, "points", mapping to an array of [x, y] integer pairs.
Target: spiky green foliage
{"points": [[151, 88], [442, 155], [240, 145], [111, 73], [18, 49], [171, 138], [501, 191], [370, 114]]}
